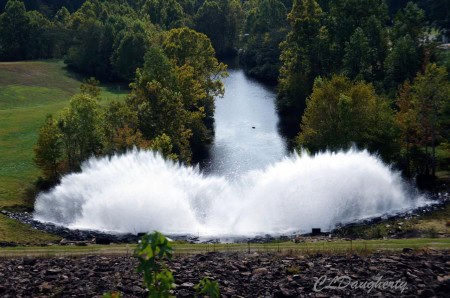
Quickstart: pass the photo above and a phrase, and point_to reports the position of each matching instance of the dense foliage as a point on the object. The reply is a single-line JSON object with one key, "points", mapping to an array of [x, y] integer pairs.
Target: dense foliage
{"points": [[341, 113], [381, 72], [169, 109], [377, 54]]}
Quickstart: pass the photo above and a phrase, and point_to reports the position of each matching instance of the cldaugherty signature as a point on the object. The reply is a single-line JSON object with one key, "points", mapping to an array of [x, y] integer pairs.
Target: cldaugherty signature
{"points": [[344, 282]]}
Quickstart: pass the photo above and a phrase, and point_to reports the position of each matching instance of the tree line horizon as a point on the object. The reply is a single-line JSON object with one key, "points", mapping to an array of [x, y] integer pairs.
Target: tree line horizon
{"points": [[366, 73]]}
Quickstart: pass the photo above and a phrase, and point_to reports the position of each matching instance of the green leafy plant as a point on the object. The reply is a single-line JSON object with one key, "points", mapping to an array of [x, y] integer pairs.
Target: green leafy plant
{"points": [[208, 288], [151, 251]]}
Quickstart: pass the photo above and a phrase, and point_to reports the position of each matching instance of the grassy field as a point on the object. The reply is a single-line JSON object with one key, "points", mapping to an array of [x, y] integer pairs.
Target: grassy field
{"points": [[28, 92], [335, 247]]}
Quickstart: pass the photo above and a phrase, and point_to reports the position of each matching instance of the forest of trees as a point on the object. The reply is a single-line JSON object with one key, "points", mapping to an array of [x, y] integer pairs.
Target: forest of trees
{"points": [[348, 72]]}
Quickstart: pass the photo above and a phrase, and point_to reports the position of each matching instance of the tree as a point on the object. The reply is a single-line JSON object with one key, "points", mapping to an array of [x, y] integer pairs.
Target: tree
{"points": [[402, 63], [180, 80], [407, 121], [340, 113], [61, 32], [407, 53], [357, 57], [130, 48], [48, 149], [161, 111], [265, 28], [345, 16], [188, 48], [304, 55], [121, 128], [40, 43], [410, 21], [220, 21], [431, 90], [92, 49], [166, 13], [91, 88], [378, 39], [81, 128], [14, 31], [62, 17], [210, 20]]}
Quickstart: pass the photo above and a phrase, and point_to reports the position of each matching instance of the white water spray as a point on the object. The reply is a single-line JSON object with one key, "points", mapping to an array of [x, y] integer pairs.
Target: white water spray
{"points": [[141, 192]]}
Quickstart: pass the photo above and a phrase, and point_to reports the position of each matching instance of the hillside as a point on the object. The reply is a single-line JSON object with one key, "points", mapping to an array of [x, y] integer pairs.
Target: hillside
{"points": [[28, 92]]}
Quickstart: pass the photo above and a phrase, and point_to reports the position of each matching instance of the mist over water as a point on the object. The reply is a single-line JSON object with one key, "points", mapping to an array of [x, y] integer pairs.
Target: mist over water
{"points": [[141, 192]]}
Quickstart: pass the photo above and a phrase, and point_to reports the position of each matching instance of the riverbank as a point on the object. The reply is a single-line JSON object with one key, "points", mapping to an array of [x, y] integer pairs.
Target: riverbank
{"points": [[424, 273], [428, 221]]}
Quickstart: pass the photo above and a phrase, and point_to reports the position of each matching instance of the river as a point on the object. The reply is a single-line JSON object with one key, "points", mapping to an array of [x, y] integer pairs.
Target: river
{"points": [[246, 128]]}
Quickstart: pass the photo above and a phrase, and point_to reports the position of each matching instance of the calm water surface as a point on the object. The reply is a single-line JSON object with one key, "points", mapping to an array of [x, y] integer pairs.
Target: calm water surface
{"points": [[246, 128]]}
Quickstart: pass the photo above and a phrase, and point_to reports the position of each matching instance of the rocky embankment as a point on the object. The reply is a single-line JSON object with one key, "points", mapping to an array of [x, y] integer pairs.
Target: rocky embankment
{"points": [[341, 231], [425, 274]]}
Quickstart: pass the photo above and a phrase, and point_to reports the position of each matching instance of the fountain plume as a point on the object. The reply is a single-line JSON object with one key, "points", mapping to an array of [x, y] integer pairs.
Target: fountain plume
{"points": [[141, 192]]}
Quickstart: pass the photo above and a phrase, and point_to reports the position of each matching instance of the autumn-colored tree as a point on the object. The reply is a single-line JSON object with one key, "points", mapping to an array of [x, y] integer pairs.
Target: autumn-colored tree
{"points": [[341, 113], [407, 121], [186, 47], [431, 97], [121, 128], [198, 79]]}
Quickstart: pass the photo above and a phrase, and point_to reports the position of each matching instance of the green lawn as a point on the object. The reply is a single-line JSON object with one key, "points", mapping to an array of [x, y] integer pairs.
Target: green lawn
{"points": [[28, 92], [14, 231], [338, 247]]}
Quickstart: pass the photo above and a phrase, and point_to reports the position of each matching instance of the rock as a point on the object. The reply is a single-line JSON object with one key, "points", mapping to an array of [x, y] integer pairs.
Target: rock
{"points": [[426, 293], [265, 275], [260, 271], [53, 271], [184, 293], [443, 278], [45, 287], [187, 285], [29, 262], [285, 292]]}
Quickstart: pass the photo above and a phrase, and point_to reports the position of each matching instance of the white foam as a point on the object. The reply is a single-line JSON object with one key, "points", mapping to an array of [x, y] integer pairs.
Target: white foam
{"points": [[142, 192]]}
